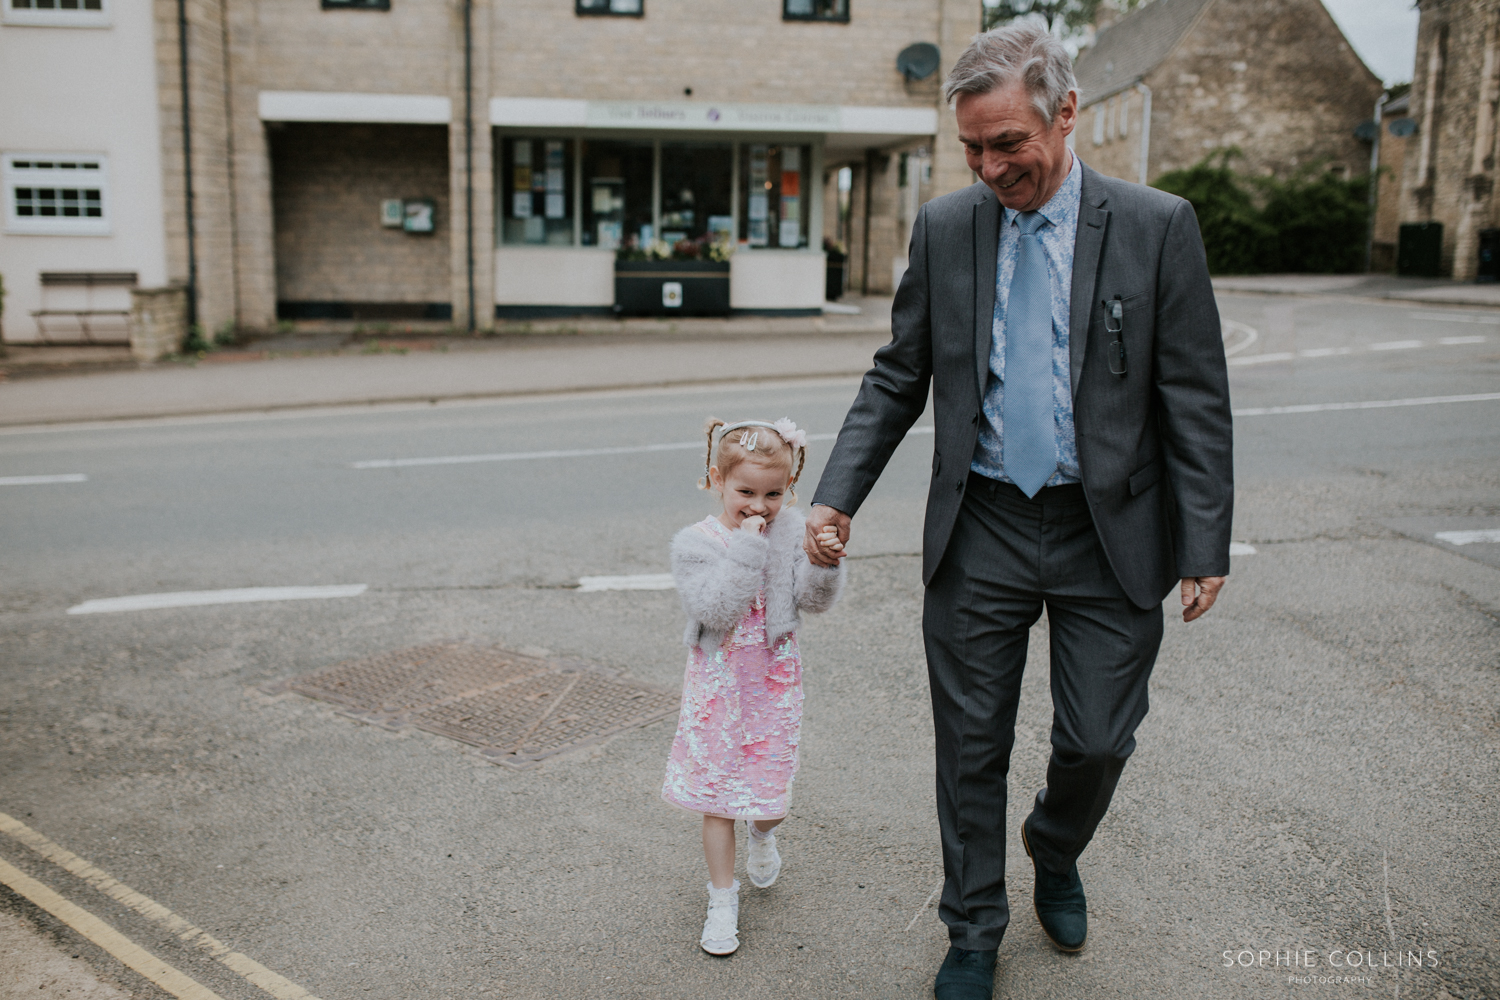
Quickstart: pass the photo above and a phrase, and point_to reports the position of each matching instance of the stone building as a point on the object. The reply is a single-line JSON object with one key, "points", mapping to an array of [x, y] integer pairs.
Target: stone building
{"points": [[442, 159], [1397, 136], [1176, 80], [1449, 177]]}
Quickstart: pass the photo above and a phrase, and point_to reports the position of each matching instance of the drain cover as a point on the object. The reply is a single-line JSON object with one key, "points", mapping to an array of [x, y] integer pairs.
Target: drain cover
{"points": [[516, 709]]}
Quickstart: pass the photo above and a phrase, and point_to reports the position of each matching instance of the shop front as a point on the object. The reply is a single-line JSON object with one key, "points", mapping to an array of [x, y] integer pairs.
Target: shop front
{"points": [[670, 207]]}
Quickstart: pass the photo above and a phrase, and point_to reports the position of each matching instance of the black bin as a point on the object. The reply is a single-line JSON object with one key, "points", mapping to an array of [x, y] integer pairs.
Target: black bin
{"points": [[671, 288], [1489, 256], [834, 285], [1419, 252]]}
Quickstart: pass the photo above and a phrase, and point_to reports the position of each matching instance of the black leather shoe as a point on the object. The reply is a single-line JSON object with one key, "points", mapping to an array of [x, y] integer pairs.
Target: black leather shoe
{"points": [[1061, 907], [966, 975]]}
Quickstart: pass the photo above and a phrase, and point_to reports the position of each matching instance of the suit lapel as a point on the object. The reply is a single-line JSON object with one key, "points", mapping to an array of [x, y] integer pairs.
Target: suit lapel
{"points": [[1093, 220], [986, 250]]}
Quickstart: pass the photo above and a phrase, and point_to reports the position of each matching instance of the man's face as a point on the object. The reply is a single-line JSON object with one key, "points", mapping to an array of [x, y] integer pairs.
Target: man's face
{"points": [[1012, 148]]}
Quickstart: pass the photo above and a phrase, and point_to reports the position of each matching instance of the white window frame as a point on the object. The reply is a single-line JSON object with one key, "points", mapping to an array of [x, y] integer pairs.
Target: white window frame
{"points": [[55, 17], [13, 177]]}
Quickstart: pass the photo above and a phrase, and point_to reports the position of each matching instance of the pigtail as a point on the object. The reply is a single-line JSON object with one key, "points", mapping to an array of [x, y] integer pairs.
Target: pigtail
{"points": [[791, 486], [709, 426]]}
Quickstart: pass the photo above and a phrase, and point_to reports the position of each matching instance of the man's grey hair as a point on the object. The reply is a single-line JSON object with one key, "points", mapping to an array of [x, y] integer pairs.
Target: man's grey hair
{"points": [[1021, 50]]}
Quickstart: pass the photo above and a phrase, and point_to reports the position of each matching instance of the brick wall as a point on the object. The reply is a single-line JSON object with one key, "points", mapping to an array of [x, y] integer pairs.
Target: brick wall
{"points": [[329, 181]]}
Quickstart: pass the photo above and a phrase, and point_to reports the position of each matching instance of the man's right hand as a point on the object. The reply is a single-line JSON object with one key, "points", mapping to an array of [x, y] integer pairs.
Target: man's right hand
{"points": [[823, 552]]}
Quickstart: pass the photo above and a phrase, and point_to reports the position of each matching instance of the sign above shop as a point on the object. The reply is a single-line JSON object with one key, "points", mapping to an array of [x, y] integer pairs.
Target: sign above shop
{"points": [[542, 112]]}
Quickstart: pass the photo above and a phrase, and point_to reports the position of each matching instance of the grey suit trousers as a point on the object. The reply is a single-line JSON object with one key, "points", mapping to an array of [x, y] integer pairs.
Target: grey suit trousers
{"points": [[1007, 558]]}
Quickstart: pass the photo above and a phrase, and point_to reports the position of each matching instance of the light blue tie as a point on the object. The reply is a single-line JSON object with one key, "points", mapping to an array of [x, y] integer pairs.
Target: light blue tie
{"points": [[1029, 444]]}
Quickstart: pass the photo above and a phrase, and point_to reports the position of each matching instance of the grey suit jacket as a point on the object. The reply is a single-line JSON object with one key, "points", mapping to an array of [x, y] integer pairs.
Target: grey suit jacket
{"points": [[1154, 444]]}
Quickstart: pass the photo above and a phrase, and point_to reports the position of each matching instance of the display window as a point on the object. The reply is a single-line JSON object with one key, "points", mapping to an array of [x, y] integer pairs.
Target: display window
{"points": [[697, 192], [617, 192], [776, 189], [536, 191]]}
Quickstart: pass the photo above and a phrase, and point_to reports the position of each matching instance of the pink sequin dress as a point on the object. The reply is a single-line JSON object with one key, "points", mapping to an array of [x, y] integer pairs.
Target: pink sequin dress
{"points": [[735, 753]]}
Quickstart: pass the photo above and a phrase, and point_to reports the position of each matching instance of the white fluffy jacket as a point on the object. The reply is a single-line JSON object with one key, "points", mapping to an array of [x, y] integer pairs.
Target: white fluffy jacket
{"points": [[718, 584]]}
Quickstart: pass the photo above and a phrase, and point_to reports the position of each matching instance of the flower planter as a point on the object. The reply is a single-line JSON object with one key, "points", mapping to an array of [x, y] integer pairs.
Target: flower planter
{"points": [[671, 288]]}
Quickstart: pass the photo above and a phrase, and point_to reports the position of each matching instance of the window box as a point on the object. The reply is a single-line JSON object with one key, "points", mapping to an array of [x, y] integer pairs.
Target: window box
{"points": [[610, 8], [650, 287], [815, 10]]}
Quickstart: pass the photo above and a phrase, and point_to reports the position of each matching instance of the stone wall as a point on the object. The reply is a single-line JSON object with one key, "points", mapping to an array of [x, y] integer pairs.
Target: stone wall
{"points": [[1275, 78], [329, 181], [1449, 175]]}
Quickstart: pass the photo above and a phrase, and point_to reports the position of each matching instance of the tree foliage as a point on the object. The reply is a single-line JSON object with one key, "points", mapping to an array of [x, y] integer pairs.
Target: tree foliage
{"points": [[1314, 221], [1069, 15]]}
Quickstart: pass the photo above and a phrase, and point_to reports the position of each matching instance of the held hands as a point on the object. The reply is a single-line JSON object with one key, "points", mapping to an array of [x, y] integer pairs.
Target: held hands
{"points": [[827, 532], [1207, 587]]}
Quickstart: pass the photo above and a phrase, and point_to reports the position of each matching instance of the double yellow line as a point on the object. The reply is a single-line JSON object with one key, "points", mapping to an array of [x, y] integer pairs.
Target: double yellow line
{"points": [[102, 934]]}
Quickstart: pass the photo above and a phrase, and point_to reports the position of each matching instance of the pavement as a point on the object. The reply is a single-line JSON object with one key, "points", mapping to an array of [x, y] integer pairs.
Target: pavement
{"points": [[1318, 774], [1438, 291]]}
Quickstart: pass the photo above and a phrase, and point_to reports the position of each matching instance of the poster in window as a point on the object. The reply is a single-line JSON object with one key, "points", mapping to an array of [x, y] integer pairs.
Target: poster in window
{"points": [[520, 207], [759, 197], [522, 150], [556, 205]]}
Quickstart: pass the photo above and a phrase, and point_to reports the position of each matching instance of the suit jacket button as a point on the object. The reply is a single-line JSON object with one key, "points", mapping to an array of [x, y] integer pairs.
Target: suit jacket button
{"points": [[960, 486]]}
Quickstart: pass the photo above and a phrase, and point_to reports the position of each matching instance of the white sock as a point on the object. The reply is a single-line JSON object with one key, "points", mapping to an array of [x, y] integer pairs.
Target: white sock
{"points": [[757, 833]]}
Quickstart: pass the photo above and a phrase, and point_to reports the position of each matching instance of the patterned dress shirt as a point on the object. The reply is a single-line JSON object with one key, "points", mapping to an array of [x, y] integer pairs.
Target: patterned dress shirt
{"points": [[1057, 238]]}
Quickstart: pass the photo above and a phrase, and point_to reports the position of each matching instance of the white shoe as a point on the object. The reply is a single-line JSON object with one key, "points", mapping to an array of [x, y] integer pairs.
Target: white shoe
{"points": [[721, 932], [764, 861]]}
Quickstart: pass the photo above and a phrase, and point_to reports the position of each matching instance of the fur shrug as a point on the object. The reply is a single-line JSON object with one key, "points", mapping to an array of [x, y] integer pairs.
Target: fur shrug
{"points": [[717, 583]]}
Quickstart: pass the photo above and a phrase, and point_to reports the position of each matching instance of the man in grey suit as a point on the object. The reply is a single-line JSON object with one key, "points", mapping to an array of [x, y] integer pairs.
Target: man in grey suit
{"points": [[1067, 328]]}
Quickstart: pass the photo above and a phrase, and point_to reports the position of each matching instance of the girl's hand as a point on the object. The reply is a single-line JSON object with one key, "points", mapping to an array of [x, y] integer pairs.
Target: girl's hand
{"points": [[828, 541], [753, 524]]}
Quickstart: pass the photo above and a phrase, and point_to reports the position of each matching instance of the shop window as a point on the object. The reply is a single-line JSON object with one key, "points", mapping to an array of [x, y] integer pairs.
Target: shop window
{"points": [[618, 8], [58, 195], [777, 191], [815, 10], [57, 13], [536, 192], [356, 4], [617, 200], [695, 192]]}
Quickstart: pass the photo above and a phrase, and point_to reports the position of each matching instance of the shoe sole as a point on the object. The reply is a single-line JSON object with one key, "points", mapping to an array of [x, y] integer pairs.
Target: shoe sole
{"points": [[765, 885], [1060, 947], [719, 949]]}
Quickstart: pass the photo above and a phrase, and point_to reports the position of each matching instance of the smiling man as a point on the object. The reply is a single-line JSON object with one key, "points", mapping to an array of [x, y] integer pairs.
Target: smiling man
{"points": [[1065, 324]]}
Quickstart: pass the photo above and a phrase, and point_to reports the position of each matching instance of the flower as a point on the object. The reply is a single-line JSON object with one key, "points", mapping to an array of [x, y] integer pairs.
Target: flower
{"points": [[789, 433]]}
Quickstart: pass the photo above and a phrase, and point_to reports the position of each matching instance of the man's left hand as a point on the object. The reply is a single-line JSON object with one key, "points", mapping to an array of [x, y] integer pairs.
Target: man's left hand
{"points": [[1199, 594]]}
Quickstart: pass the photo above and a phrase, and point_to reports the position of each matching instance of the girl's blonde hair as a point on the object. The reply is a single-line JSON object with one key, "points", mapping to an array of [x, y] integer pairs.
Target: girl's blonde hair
{"points": [[760, 442]]}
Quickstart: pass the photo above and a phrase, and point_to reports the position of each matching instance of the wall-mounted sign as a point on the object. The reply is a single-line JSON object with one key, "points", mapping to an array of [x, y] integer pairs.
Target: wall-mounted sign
{"points": [[392, 213], [420, 215], [698, 115]]}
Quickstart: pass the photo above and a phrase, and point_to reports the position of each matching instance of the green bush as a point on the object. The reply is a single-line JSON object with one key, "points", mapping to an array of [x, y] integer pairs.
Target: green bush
{"points": [[1313, 221]]}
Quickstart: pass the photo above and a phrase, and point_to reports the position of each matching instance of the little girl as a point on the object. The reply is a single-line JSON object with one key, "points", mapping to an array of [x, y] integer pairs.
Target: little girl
{"points": [[743, 578]]}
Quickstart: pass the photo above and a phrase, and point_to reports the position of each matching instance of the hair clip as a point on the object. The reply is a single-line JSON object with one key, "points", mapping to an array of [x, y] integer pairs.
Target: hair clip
{"points": [[749, 440]]}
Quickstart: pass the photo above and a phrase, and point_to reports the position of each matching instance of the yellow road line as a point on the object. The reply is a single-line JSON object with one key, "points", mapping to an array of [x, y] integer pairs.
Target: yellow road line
{"points": [[277, 986], [106, 937]]}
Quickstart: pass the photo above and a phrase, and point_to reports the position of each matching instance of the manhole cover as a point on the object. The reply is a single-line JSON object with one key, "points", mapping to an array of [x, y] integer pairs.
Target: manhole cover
{"points": [[516, 709]]}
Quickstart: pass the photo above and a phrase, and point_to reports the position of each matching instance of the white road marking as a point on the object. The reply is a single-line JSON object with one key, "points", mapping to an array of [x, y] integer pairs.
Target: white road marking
{"points": [[277, 986], [1324, 352], [1251, 335], [67, 477], [1241, 549], [640, 581], [1260, 359], [1396, 345], [106, 937], [200, 598], [1370, 404], [522, 456], [1452, 341], [1483, 535], [923, 908], [1442, 317]]}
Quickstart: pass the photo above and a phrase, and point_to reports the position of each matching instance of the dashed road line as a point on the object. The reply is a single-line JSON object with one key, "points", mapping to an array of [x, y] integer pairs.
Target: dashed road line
{"points": [[66, 477], [1397, 345], [1454, 341], [1369, 404], [639, 581], [112, 941], [1443, 317], [252, 971], [201, 598], [1478, 535], [1329, 352], [1241, 549]]}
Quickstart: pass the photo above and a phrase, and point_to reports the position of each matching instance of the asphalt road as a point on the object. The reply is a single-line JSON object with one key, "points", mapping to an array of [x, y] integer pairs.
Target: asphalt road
{"points": [[1318, 773]]}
